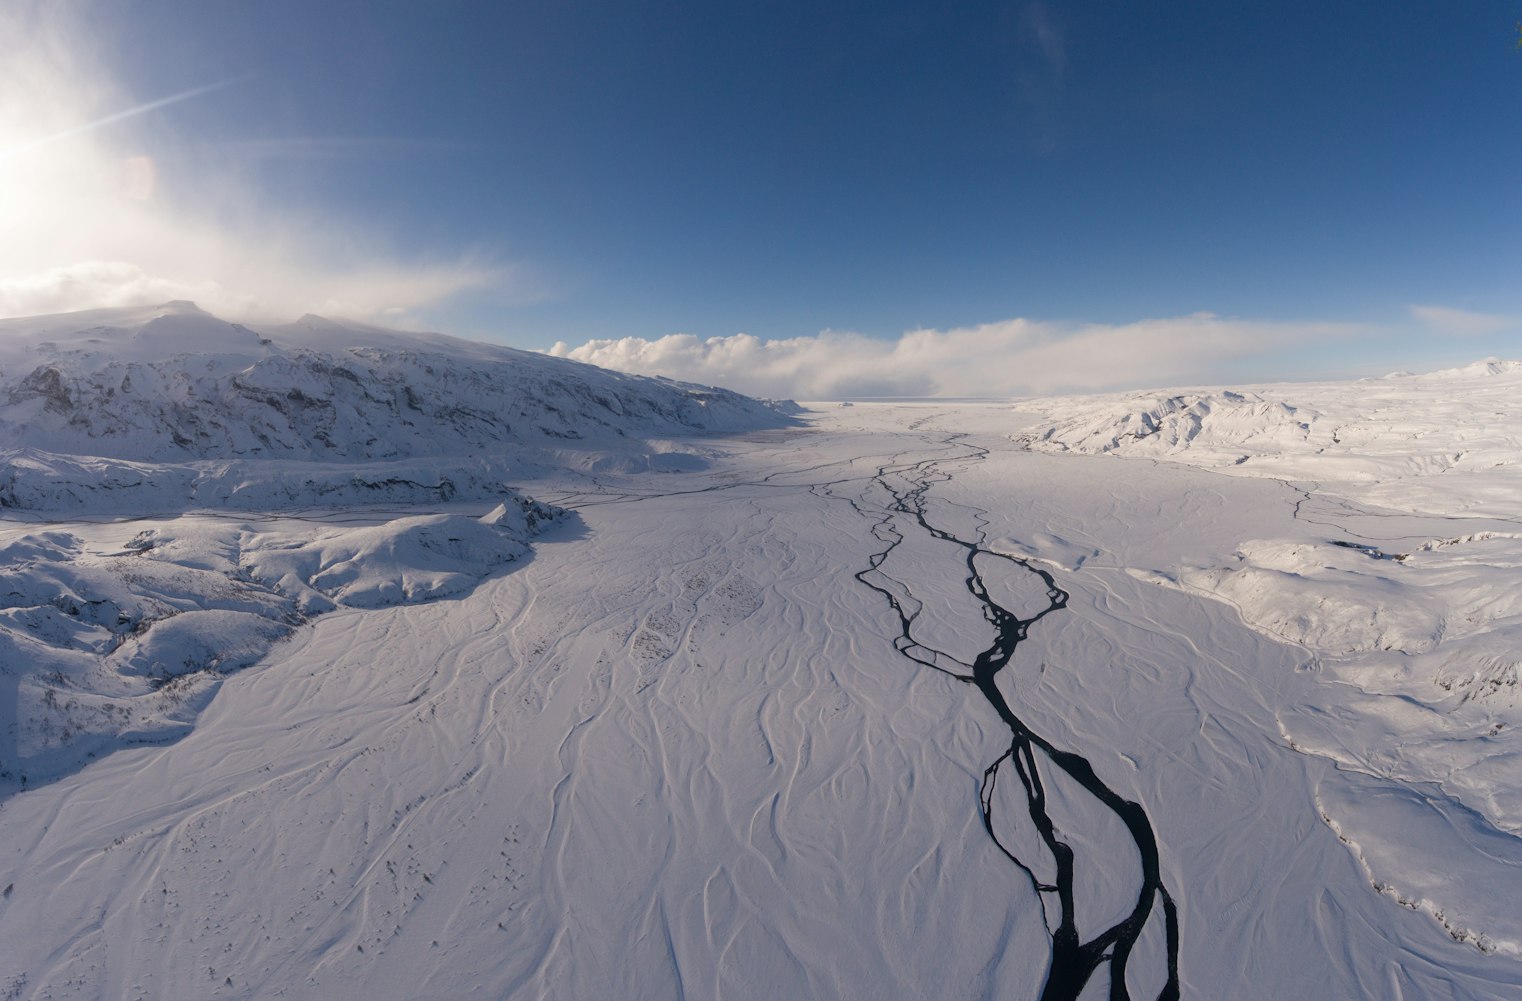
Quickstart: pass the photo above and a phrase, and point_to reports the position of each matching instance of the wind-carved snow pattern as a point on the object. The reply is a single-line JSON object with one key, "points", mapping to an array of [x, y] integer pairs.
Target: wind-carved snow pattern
{"points": [[118, 633], [113, 635], [1043, 832], [675, 755], [1404, 594]]}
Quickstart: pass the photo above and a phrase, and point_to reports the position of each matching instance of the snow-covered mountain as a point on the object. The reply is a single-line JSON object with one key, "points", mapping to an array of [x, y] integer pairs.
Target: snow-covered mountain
{"points": [[204, 403], [175, 383], [118, 633]]}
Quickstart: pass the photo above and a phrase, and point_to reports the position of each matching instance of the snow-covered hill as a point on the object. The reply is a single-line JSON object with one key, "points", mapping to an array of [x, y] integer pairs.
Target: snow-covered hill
{"points": [[175, 383], [1387, 435], [1401, 583], [178, 407], [118, 632]]}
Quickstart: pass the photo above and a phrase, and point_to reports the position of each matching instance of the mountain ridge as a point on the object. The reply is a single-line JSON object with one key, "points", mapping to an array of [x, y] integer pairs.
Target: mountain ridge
{"points": [[176, 383]]}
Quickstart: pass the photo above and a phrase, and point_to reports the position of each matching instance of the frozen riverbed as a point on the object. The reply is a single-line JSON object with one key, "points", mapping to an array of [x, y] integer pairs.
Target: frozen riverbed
{"points": [[675, 751]]}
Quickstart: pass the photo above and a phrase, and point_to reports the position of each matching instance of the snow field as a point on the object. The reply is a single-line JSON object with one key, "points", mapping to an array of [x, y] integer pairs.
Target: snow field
{"points": [[694, 773], [674, 753], [1398, 579], [119, 633]]}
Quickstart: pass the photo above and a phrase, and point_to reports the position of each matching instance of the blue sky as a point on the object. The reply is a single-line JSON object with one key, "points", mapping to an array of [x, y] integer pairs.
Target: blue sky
{"points": [[541, 172]]}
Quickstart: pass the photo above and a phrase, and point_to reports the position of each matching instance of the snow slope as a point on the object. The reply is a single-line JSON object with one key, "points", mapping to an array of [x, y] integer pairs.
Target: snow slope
{"points": [[1443, 443], [1400, 580], [175, 383], [174, 407], [118, 632]]}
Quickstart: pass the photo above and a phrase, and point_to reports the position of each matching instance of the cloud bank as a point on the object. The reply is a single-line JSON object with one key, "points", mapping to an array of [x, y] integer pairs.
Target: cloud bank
{"points": [[1012, 358], [98, 207], [1447, 322]]}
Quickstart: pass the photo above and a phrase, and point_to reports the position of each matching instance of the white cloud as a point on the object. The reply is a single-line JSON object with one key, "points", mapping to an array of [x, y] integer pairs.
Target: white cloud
{"points": [[1012, 358], [98, 209], [379, 292], [1048, 36], [1461, 323]]}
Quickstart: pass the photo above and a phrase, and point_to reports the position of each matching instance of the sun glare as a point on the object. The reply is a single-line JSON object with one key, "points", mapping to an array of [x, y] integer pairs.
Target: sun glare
{"points": [[103, 204]]}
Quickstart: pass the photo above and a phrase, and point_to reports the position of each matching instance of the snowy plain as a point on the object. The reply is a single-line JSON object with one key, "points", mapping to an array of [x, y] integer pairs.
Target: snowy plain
{"points": [[710, 732], [1400, 584]]}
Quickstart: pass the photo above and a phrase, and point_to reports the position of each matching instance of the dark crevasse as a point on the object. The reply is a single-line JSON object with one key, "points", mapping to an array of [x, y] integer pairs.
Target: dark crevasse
{"points": [[1037, 763]]}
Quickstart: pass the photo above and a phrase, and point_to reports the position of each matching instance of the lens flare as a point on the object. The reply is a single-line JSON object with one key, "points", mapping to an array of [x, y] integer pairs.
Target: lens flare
{"points": [[141, 109]]}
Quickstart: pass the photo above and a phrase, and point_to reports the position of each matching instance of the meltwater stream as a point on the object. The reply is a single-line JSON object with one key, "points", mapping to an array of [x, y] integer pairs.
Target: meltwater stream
{"points": [[1038, 764]]}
